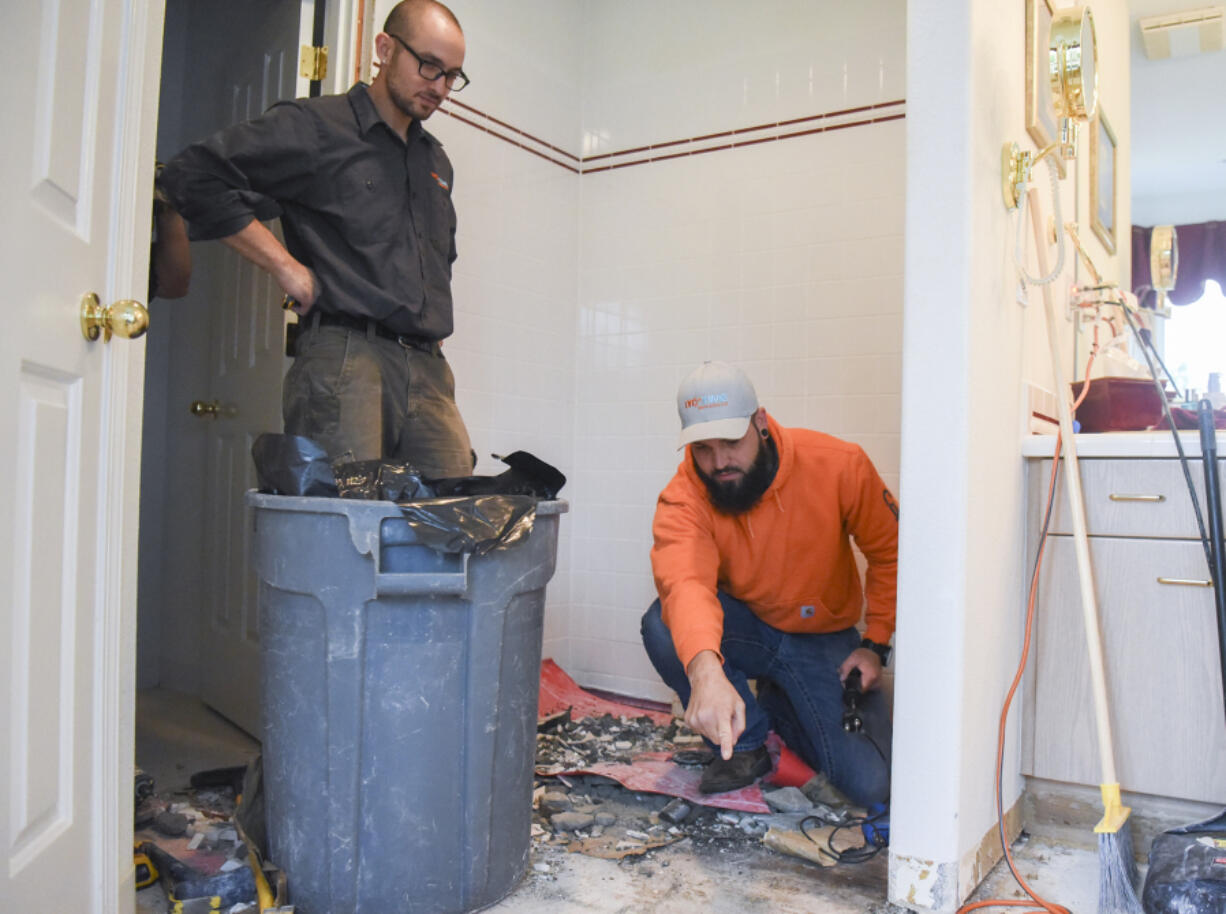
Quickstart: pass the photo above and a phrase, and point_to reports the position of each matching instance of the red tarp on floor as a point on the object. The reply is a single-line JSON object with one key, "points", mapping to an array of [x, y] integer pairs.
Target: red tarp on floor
{"points": [[559, 692]]}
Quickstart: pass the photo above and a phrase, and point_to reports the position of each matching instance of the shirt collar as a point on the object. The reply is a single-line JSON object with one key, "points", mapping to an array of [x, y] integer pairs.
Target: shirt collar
{"points": [[368, 115]]}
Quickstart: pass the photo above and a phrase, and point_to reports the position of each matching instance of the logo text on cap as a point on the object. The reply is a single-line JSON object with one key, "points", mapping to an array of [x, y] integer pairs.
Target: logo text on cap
{"points": [[706, 402]]}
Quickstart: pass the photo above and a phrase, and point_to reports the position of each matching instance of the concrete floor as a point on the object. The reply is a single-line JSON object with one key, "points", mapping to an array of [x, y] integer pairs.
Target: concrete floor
{"points": [[177, 736]]}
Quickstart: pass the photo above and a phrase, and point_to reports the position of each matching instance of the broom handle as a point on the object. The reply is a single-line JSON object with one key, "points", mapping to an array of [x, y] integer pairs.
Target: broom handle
{"points": [[1072, 478]]}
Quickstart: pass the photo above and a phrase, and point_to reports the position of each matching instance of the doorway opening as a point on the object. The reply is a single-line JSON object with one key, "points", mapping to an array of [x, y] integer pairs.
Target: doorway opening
{"points": [[222, 343]]}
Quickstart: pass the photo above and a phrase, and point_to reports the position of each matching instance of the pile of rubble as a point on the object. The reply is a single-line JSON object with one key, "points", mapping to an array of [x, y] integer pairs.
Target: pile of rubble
{"points": [[595, 815], [189, 843], [563, 744]]}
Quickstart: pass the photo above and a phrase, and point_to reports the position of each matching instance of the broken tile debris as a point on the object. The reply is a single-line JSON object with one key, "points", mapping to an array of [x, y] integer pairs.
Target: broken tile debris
{"points": [[571, 821], [597, 816], [676, 812], [787, 799], [579, 810], [191, 839], [564, 744]]}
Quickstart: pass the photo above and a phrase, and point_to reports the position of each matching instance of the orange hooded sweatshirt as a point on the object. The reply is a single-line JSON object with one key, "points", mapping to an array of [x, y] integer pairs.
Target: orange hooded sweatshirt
{"points": [[789, 558]]}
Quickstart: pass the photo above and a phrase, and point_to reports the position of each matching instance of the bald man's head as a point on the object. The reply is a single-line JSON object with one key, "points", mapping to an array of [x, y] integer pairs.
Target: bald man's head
{"points": [[406, 16]]}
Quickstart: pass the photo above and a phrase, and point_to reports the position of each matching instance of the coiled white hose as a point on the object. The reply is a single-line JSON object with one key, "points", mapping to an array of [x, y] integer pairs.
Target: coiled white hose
{"points": [[1019, 254]]}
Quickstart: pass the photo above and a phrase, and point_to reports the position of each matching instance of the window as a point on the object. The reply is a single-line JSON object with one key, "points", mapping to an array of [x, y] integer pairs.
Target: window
{"points": [[1195, 341]]}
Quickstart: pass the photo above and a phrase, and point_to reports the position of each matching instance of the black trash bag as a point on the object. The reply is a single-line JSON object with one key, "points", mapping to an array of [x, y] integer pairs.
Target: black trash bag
{"points": [[472, 523], [1186, 875], [457, 514], [381, 480], [292, 465], [527, 475]]}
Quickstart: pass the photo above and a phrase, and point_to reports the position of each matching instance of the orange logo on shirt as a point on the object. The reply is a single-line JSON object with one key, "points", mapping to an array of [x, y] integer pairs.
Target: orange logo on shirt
{"points": [[439, 181]]}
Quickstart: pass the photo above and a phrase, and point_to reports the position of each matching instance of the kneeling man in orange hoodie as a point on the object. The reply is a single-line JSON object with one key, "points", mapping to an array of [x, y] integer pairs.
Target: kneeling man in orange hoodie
{"points": [[757, 579]]}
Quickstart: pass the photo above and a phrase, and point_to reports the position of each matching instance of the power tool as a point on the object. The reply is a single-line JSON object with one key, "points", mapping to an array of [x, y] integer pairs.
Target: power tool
{"points": [[853, 695]]}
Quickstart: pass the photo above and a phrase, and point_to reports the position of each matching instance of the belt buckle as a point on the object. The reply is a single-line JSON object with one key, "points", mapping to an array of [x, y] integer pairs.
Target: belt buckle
{"points": [[413, 342]]}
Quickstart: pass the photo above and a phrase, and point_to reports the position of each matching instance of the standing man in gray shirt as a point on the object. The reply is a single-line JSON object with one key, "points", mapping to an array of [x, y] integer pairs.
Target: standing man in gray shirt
{"points": [[364, 196]]}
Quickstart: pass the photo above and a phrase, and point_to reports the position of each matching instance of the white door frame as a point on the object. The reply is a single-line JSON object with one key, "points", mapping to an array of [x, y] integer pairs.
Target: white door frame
{"points": [[114, 710]]}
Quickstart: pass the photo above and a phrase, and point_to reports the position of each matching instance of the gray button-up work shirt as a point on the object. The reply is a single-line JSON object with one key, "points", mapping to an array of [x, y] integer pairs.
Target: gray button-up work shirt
{"points": [[368, 212]]}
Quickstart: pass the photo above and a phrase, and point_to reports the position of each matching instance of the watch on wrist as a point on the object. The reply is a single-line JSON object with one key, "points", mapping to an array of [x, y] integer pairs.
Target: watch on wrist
{"points": [[881, 650]]}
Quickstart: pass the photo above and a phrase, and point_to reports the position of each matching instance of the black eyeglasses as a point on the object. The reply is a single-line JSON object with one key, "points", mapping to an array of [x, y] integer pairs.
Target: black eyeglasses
{"points": [[455, 80]]}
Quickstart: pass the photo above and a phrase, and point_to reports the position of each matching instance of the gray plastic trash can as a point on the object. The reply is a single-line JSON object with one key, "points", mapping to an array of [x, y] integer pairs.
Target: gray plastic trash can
{"points": [[400, 704]]}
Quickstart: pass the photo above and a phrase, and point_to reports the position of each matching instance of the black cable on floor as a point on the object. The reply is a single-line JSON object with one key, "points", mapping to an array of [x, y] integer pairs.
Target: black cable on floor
{"points": [[866, 851]]}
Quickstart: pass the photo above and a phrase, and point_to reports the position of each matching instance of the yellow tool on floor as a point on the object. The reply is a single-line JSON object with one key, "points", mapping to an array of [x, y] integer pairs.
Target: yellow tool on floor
{"points": [[197, 905], [146, 871]]}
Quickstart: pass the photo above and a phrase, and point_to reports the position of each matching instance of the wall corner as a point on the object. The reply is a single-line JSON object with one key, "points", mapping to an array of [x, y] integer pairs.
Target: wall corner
{"points": [[920, 884]]}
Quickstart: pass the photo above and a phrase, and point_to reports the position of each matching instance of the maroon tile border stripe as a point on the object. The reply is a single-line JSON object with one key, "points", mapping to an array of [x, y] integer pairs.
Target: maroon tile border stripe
{"points": [[504, 124], [765, 139], [740, 131], [507, 139]]}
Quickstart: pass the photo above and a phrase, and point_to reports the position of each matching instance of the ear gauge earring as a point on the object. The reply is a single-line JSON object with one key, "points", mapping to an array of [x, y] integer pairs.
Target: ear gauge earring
{"points": [[764, 433]]}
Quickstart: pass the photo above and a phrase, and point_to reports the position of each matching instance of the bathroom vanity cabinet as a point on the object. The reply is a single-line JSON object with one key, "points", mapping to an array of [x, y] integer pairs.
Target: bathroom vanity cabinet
{"points": [[1157, 618]]}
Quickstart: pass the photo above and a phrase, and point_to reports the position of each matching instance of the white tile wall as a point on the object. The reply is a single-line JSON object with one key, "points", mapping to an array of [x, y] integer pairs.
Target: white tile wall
{"points": [[582, 301]]}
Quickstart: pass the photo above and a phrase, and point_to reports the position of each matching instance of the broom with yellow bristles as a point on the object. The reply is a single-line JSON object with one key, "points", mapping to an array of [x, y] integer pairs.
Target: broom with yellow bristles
{"points": [[1117, 892]]}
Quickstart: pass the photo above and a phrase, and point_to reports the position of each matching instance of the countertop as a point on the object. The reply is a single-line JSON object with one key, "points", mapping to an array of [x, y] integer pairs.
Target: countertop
{"points": [[1124, 444]]}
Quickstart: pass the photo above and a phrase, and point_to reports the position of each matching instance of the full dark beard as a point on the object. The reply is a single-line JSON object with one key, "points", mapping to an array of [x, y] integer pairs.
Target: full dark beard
{"points": [[738, 497]]}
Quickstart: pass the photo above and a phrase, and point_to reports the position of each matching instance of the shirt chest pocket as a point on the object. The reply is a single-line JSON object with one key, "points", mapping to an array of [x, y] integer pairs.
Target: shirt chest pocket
{"points": [[370, 205]]}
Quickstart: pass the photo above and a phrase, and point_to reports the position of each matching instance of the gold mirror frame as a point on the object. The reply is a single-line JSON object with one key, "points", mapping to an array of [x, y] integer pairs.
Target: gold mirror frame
{"points": [[1072, 71], [1103, 180], [1073, 95]]}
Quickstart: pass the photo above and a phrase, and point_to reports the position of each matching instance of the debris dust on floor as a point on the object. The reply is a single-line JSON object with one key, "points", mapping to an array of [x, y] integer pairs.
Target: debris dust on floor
{"points": [[599, 846]]}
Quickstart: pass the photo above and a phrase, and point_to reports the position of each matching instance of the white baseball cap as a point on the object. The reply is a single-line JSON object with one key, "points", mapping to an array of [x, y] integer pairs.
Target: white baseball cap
{"points": [[716, 400]]}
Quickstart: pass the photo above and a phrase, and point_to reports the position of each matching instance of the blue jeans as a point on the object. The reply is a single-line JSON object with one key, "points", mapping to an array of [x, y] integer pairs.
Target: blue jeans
{"points": [[799, 696]]}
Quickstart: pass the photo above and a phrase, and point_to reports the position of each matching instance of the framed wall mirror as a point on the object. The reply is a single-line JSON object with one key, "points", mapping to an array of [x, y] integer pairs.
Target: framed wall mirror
{"points": [[1103, 146], [1041, 123]]}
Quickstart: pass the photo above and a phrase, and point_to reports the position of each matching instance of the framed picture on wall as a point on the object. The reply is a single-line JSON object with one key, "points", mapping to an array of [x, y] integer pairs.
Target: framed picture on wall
{"points": [[1040, 112], [1102, 179]]}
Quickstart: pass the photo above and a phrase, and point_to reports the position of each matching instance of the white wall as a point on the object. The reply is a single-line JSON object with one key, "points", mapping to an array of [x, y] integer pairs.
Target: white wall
{"points": [[1208, 205], [515, 280], [969, 347]]}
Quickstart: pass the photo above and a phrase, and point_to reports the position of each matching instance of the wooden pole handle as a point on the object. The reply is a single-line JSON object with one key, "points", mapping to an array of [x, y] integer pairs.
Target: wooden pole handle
{"points": [[1072, 479]]}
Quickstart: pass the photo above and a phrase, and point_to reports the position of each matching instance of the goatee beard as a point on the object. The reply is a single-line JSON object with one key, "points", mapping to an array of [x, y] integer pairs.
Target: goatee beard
{"points": [[739, 496]]}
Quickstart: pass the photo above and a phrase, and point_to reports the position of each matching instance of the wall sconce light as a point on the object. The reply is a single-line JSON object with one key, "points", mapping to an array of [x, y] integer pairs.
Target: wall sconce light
{"points": [[1072, 69]]}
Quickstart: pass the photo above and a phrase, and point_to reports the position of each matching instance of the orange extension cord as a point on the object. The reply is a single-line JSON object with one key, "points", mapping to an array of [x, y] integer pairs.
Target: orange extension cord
{"points": [[1035, 898]]}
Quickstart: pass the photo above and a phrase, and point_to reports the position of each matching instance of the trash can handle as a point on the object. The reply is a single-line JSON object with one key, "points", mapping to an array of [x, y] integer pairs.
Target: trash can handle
{"points": [[426, 582]]}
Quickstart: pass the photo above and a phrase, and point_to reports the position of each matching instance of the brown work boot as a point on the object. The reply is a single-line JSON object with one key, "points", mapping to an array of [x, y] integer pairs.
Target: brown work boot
{"points": [[741, 770]]}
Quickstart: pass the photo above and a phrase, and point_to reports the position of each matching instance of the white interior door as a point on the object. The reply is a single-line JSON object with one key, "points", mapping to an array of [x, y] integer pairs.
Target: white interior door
{"points": [[76, 170], [241, 58]]}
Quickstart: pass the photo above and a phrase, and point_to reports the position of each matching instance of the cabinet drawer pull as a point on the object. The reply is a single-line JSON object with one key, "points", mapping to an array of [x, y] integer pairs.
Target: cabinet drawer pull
{"points": [[1190, 582], [1155, 498]]}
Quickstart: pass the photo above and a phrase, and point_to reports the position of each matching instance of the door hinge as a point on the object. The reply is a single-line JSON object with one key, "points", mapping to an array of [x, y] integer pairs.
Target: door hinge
{"points": [[313, 63]]}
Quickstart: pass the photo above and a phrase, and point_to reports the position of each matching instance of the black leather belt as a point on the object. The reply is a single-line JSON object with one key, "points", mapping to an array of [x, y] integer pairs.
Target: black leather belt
{"points": [[366, 325]]}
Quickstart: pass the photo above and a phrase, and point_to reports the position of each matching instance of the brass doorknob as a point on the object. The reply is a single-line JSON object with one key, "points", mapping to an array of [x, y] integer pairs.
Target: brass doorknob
{"points": [[126, 318], [202, 410]]}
